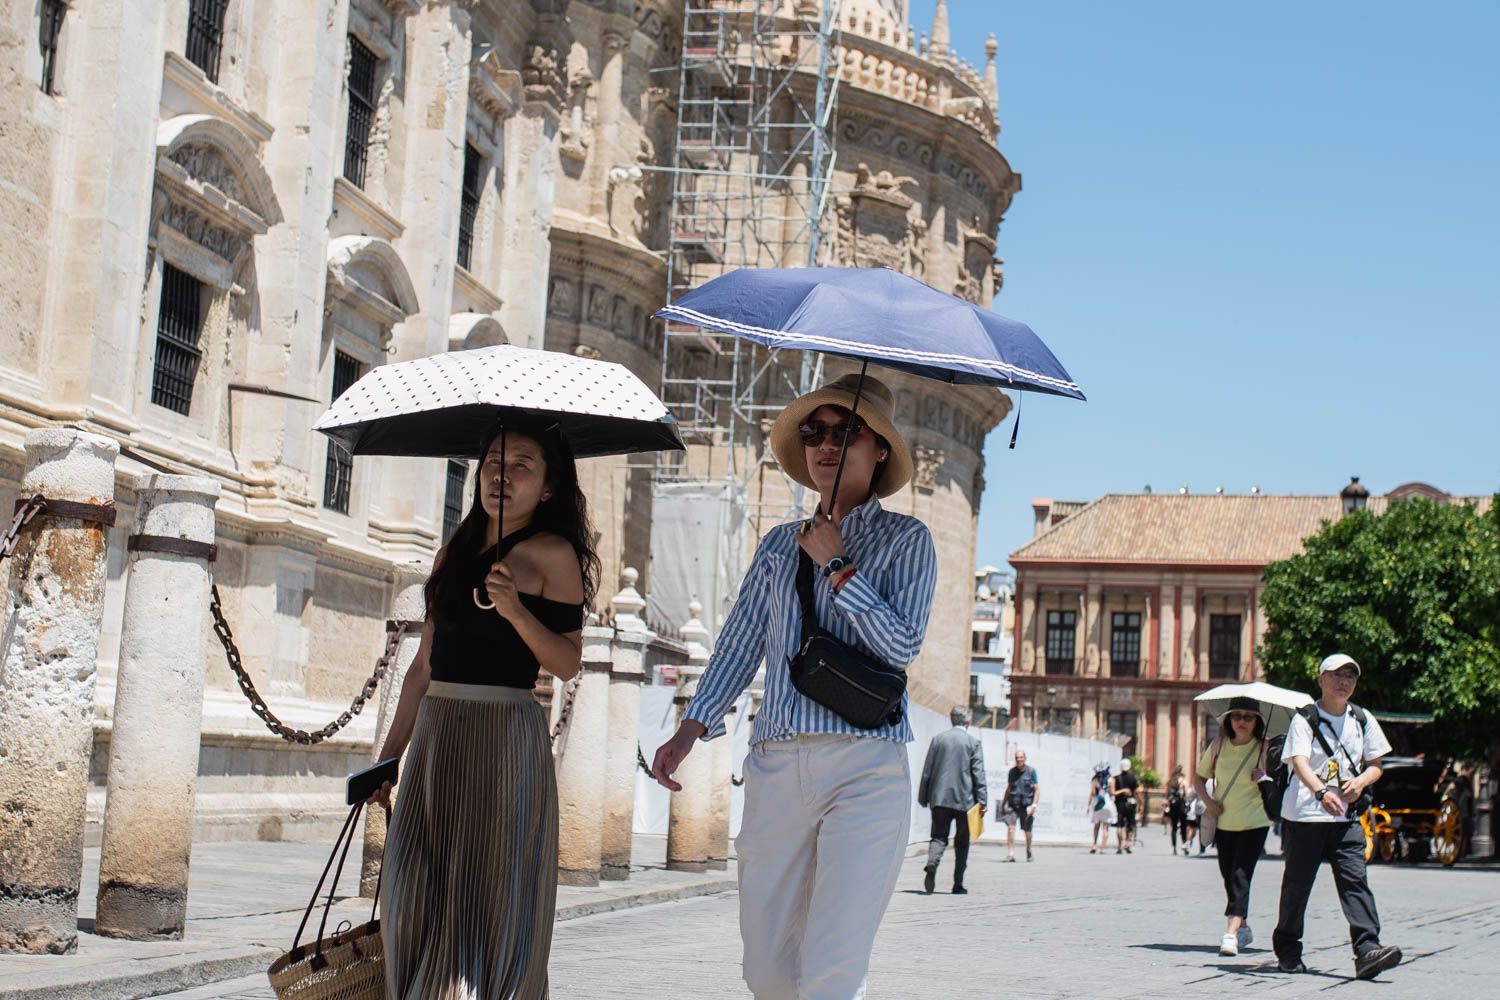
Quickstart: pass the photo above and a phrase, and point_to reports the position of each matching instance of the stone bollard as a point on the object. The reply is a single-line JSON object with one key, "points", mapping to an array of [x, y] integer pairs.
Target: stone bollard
{"points": [[625, 678], [580, 754], [409, 607], [56, 605], [722, 766], [688, 823], [153, 745]]}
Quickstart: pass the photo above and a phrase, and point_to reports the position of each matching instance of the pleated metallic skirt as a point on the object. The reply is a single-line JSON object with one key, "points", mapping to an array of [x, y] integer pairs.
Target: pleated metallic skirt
{"points": [[470, 872]]}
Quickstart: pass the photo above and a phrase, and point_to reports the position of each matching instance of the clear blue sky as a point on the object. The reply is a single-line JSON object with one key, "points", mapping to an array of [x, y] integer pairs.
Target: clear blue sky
{"points": [[1264, 238]]}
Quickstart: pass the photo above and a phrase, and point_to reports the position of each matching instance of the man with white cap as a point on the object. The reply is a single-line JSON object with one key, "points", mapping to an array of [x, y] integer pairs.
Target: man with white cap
{"points": [[1334, 750]]}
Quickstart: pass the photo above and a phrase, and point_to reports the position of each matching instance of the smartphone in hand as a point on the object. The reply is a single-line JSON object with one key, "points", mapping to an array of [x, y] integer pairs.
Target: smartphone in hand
{"points": [[362, 784]]}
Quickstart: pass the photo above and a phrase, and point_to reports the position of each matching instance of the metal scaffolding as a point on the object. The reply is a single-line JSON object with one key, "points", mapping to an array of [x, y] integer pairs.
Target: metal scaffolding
{"points": [[751, 172]]}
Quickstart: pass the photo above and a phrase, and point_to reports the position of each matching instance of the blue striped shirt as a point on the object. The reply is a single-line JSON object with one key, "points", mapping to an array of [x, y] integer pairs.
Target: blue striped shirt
{"points": [[883, 609]]}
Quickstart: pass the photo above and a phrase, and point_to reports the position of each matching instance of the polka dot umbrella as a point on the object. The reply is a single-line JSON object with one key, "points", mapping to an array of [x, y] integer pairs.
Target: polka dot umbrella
{"points": [[450, 405]]}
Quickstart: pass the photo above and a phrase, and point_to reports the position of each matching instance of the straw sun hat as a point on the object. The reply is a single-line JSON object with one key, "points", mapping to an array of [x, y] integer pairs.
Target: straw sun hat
{"points": [[876, 409]]}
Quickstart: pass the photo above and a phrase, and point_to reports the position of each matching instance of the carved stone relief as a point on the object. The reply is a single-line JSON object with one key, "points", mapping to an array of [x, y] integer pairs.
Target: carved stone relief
{"points": [[874, 225], [204, 163], [562, 299], [927, 462]]}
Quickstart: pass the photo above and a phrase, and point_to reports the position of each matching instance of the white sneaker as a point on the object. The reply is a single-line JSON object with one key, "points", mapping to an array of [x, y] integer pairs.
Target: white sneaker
{"points": [[1229, 947], [1244, 936]]}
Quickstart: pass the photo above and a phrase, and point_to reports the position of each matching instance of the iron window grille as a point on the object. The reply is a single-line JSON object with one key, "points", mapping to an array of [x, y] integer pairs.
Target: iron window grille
{"points": [[205, 39], [453, 498], [179, 324], [1223, 647], [1125, 644], [338, 475], [1062, 634], [362, 67], [1123, 723], [468, 206], [53, 12]]}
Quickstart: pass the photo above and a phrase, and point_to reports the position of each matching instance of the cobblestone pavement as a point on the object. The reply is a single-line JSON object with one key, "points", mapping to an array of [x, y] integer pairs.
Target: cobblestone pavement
{"points": [[1069, 925]]}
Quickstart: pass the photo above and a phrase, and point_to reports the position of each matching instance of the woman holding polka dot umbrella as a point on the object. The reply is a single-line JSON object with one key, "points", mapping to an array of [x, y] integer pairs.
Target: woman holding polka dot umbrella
{"points": [[469, 880]]}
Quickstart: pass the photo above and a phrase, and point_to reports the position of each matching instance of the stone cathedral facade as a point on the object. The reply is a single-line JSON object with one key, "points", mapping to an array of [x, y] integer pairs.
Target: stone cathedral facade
{"points": [[217, 214]]}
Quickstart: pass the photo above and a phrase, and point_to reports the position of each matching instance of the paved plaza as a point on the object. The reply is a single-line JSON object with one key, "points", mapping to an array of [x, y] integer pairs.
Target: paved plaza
{"points": [[1069, 925]]}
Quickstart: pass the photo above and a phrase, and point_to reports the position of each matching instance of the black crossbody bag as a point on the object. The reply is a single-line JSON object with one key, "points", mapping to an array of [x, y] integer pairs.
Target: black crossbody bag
{"points": [[849, 682]]}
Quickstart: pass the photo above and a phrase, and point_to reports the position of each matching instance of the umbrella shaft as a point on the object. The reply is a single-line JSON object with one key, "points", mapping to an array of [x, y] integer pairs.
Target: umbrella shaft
{"points": [[838, 473]]}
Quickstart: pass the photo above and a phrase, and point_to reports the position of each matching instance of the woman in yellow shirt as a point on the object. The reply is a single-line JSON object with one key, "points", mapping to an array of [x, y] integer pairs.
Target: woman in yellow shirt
{"points": [[1234, 762]]}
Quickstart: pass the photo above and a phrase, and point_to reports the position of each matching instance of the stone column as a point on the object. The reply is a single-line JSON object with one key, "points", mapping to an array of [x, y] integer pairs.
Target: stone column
{"points": [[1162, 748], [581, 758], [153, 746], [56, 601], [626, 675], [1187, 664], [690, 819], [410, 607], [721, 751], [1025, 651], [1094, 606], [1165, 667]]}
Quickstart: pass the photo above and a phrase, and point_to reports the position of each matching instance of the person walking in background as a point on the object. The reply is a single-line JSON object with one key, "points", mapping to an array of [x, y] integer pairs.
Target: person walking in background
{"points": [[1177, 808], [1194, 821], [1234, 762], [1333, 766], [952, 783], [1101, 809], [1123, 788], [827, 809], [1019, 804]]}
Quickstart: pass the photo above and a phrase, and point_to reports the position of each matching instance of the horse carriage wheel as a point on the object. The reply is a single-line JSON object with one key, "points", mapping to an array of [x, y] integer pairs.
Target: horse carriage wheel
{"points": [[1448, 834], [1387, 846]]}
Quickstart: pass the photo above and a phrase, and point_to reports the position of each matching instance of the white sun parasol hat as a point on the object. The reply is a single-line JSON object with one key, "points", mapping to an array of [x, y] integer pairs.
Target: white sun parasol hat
{"points": [[1277, 705]]}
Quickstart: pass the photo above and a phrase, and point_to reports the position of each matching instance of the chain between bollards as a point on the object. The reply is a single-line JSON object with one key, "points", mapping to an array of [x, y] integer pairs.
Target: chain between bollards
{"points": [[36, 505], [395, 631], [564, 714]]}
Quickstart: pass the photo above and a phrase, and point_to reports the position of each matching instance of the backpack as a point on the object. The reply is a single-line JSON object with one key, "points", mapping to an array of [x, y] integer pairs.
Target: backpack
{"points": [[1278, 776], [1101, 790]]}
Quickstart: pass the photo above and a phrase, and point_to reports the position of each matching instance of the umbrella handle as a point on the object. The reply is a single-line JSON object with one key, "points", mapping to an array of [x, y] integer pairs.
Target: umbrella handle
{"points": [[481, 599], [838, 474]]}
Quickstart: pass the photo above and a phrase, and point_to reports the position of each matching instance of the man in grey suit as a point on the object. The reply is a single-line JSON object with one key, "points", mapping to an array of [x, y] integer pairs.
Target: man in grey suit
{"points": [[952, 782]]}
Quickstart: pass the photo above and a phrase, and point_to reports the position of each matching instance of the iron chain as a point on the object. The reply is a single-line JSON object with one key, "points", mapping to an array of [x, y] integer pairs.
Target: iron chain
{"points": [[258, 704], [24, 513], [564, 714]]}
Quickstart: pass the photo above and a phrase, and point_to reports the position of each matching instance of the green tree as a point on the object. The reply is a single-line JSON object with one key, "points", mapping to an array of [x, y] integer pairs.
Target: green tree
{"points": [[1414, 596]]}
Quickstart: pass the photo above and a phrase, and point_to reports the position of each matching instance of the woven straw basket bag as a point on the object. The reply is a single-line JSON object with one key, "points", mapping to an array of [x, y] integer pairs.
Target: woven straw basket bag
{"points": [[348, 964]]}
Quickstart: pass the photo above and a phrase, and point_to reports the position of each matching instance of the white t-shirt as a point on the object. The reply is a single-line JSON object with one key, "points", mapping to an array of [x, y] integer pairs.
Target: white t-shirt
{"points": [[1299, 803]]}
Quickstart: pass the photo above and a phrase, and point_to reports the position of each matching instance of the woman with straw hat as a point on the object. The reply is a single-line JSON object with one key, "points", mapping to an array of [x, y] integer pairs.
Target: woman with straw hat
{"points": [[1234, 761], [827, 803]]}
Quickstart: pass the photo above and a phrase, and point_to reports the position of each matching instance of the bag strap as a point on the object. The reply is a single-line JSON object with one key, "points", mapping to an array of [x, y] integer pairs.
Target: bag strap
{"points": [[1224, 797], [805, 594], [1332, 755], [346, 837]]}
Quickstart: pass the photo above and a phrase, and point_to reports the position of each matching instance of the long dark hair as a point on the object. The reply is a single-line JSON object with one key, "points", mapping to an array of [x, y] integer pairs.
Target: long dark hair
{"points": [[565, 513]]}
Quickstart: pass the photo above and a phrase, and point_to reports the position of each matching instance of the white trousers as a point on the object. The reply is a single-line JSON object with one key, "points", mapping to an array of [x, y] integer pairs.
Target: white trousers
{"points": [[824, 831]]}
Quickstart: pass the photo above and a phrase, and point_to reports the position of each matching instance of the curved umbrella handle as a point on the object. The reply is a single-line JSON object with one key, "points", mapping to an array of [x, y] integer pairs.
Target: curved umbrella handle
{"points": [[482, 602]]}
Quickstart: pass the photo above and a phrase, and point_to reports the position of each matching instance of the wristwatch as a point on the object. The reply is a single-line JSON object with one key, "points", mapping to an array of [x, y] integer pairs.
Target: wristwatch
{"points": [[835, 565], [1320, 793]]}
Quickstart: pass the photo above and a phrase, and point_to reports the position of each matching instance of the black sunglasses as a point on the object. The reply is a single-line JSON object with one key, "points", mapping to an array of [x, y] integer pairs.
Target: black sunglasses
{"points": [[813, 434]]}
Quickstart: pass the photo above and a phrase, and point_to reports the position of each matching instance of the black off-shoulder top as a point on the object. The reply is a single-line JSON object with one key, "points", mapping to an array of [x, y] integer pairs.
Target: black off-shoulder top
{"points": [[474, 645]]}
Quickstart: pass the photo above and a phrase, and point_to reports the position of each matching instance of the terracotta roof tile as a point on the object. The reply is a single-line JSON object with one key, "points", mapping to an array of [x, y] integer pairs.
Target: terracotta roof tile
{"points": [[1193, 528]]}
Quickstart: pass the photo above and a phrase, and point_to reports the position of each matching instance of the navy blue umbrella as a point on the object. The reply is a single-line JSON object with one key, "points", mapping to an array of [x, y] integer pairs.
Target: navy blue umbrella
{"points": [[876, 315]]}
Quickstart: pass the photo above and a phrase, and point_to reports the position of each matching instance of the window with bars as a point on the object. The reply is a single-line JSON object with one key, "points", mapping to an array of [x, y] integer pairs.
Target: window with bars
{"points": [[338, 475], [362, 69], [53, 12], [453, 498], [1125, 644], [179, 324], [205, 38], [1123, 723], [468, 206], [1223, 647], [1062, 634]]}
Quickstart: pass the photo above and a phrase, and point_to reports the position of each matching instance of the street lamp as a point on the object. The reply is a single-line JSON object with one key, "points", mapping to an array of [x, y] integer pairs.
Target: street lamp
{"points": [[1355, 496]]}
